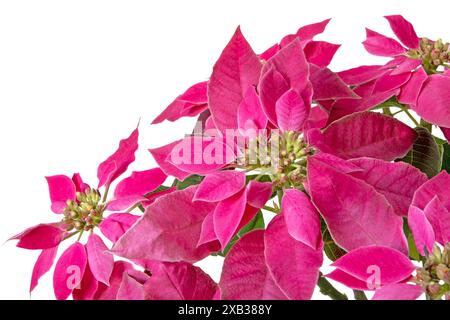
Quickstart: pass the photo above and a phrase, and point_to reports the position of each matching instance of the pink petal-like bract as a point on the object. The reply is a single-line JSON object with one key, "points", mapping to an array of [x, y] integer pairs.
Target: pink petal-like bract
{"points": [[302, 219], [398, 291], [258, 193], [220, 185], [410, 91], [61, 189], [201, 155], [80, 186], [228, 215], [179, 281], [434, 99], [293, 265], [110, 292], [69, 270], [272, 86], [88, 286], [171, 231], [376, 265], [317, 119], [118, 162], [191, 103], [208, 234], [389, 82], [380, 45], [407, 66], [439, 217], [361, 75], [367, 134], [131, 190], [250, 113], [124, 203], [140, 183], [116, 224], [356, 214], [291, 111], [436, 186], [41, 236], [288, 69], [348, 280], [309, 31], [160, 156], [236, 70], [320, 53], [404, 31], [337, 163], [130, 289], [328, 85], [368, 100], [43, 264], [421, 229], [399, 183], [245, 275], [101, 262]]}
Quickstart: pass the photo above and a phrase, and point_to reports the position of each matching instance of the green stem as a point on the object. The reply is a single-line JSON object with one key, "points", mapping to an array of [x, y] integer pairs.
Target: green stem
{"points": [[71, 235], [133, 207], [426, 125], [259, 177], [359, 295], [417, 124], [387, 111], [271, 209], [385, 106], [280, 197], [397, 112], [327, 289], [105, 196], [81, 233]]}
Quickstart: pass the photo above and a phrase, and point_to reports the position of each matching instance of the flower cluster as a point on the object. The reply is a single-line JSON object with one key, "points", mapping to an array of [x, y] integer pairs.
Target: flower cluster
{"points": [[289, 163]]}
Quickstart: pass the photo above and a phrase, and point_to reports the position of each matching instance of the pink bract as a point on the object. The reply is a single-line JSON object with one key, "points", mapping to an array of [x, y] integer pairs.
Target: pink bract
{"points": [[119, 161], [245, 275], [171, 233], [288, 161]]}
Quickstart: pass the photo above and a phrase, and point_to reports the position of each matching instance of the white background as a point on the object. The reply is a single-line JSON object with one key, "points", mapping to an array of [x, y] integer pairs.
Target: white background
{"points": [[76, 76]]}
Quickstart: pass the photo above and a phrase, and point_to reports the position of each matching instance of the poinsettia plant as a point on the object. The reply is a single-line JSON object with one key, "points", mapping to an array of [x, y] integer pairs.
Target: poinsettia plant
{"points": [[291, 167]]}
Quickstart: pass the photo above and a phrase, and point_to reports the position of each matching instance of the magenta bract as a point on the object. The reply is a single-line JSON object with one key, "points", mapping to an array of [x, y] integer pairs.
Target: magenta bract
{"points": [[288, 160]]}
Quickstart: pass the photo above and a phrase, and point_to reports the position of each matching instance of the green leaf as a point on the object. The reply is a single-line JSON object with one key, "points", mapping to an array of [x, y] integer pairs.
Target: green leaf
{"points": [[332, 250], [256, 223], [425, 154], [264, 178], [439, 140], [189, 181], [413, 253], [446, 157]]}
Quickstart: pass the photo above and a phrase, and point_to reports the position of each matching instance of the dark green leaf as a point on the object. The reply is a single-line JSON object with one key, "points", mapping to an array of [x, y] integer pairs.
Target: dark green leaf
{"points": [[425, 154], [446, 157], [439, 140], [332, 250]]}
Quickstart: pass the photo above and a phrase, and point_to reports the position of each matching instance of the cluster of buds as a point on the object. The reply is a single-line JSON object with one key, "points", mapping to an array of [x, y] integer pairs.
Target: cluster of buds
{"points": [[283, 157], [434, 276], [290, 165], [85, 212], [432, 53]]}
